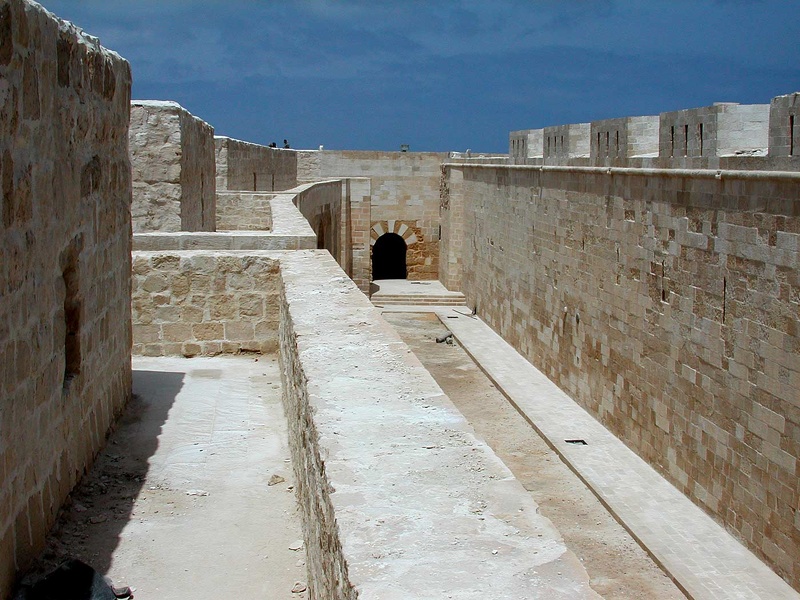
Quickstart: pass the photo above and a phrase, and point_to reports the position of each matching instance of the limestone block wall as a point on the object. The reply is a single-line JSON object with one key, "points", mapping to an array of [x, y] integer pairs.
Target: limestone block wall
{"points": [[566, 141], [784, 125], [65, 330], [198, 182], [667, 306], [203, 302], [454, 234], [358, 192], [383, 460], [244, 211], [525, 144], [205, 293], [246, 166], [172, 157], [622, 138], [321, 204], [722, 129], [405, 187]]}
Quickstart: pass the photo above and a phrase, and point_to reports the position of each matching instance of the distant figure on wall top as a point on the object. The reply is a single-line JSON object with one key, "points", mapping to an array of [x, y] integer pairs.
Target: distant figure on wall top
{"points": [[286, 144], [273, 145]]}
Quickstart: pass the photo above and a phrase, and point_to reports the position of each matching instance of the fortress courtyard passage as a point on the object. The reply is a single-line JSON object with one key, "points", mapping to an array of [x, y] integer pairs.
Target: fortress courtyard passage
{"points": [[231, 370]]}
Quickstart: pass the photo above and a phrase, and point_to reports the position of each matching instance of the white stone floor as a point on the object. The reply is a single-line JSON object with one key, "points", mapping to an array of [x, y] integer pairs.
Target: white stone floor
{"points": [[703, 559], [405, 287], [206, 524]]}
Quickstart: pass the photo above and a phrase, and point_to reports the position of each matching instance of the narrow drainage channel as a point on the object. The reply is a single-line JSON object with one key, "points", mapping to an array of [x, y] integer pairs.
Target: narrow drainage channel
{"points": [[618, 567]]}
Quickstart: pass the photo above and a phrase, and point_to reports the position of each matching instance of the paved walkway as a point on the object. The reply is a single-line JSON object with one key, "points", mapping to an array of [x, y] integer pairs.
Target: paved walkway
{"points": [[207, 523], [407, 287], [703, 559]]}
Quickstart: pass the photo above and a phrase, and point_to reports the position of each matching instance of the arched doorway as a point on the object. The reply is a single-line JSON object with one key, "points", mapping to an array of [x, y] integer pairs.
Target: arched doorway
{"points": [[389, 257]]}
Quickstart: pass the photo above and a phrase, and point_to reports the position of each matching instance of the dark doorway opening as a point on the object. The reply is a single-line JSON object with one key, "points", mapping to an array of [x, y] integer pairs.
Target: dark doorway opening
{"points": [[389, 257], [321, 235]]}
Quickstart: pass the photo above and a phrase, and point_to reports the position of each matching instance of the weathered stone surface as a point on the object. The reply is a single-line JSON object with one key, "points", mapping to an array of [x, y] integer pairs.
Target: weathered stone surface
{"points": [[244, 166], [404, 187], [65, 194], [172, 155], [784, 125], [399, 498], [244, 211], [666, 306], [723, 129], [204, 302]]}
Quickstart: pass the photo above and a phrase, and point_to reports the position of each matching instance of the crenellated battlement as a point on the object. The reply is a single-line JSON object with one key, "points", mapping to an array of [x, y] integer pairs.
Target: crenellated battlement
{"points": [[689, 138]]}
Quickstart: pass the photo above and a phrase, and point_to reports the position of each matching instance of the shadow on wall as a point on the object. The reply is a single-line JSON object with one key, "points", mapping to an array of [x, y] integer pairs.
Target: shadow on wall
{"points": [[389, 257], [93, 517]]}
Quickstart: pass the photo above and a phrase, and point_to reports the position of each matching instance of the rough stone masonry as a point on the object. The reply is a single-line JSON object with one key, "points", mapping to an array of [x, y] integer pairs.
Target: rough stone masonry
{"points": [[65, 326]]}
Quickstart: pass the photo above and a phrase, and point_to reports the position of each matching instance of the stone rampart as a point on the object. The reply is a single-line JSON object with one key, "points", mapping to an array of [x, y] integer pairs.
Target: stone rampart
{"points": [[246, 166], [321, 204], [784, 126], [398, 497], [723, 129], [690, 138], [339, 213], [65, 330], [172, 157], [205, 293], [525, 144], [244, 211], [564, 142], [666, 302], [404, 188], [613, 140]]}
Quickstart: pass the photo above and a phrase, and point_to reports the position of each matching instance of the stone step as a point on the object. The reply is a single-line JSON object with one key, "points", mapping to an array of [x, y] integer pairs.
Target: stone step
{"points": [[416, 300], [458, 297]]}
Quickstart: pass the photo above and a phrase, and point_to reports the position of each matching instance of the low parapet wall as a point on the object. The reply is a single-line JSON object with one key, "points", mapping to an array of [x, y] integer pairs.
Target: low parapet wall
{"points": [[289, 230], [247, 166], [399, 499], [201, 302], [249, 211], [187, 297]]}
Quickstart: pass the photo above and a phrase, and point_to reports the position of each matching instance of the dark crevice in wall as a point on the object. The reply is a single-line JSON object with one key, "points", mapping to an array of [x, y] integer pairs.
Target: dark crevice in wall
{"points": [[70, 274]]}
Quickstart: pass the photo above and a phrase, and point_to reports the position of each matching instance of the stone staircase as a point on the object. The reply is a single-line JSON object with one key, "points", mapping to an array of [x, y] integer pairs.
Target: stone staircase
{"points": [[416, 294]]}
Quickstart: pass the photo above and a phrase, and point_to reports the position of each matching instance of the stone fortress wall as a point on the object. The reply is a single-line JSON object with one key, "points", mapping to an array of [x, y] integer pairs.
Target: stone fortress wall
{"points": [[244, 211], [404, 192], [784, 130], [172, 156], [65, 327], [661, 292], [614, 139], [211, 293], [723, 129], [246, 166]]}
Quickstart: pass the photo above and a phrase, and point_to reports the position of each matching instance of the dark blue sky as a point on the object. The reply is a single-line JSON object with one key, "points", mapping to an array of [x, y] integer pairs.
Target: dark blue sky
{"points": [[441, 74]]}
